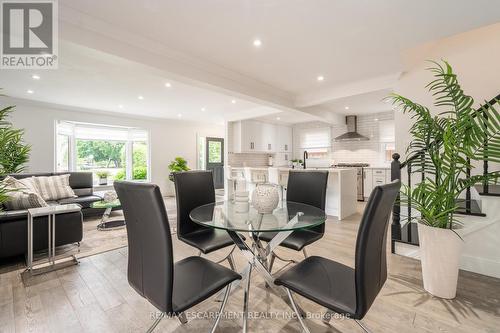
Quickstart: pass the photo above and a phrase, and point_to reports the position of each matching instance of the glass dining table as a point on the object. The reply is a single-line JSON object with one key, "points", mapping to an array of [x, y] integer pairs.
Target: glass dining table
{"points": [[285, 219]]}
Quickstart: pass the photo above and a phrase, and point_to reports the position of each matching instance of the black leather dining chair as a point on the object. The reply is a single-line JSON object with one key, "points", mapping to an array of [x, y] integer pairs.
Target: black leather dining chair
{"points": [[171, 287], [194, 189], [342, 289], [307, 187]]}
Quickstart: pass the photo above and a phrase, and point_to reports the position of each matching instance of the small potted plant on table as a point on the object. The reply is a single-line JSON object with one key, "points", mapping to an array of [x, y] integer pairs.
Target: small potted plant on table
{"points": [[103, 177]]}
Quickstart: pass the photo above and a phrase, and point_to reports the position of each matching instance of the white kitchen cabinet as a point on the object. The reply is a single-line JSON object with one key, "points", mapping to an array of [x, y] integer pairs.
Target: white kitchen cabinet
{"points": [[284, 139], [375, 177], [268, 138], [246, 136], [367, 182], [251, 136]]}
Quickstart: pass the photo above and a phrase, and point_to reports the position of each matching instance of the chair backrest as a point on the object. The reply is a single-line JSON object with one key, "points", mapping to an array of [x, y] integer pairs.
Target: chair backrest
{"points": [[150, 256], [308, 187], [193, 189], [371, 262]]}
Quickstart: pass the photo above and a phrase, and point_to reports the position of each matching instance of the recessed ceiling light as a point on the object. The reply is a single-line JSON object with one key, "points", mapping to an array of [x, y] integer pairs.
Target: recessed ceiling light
{"points": [[179, 115], [120, 106], [168, 85], [257, 42], [203, 109], [233, 101], [320, 78], [35, 77], [29, 91], [376, 119], [347, 108], [140, 97], [278, 118]]}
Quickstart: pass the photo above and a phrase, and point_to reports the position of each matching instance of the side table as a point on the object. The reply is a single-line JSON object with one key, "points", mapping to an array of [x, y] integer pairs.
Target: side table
{"points": [[51, 212]]}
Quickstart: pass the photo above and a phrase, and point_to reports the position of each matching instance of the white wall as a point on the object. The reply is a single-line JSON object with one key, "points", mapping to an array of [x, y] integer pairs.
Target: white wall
{"points": [[474, 56], [169, 138]]}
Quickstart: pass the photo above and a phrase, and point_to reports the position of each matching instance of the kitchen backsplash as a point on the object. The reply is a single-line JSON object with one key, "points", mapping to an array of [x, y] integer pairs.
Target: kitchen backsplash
{"points": [[371, 151], [251, 160]]}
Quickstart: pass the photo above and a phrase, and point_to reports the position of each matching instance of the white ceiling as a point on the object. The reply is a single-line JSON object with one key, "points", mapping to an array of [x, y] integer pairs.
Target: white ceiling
{"points": [[91, 79], [111, 52], [343, 40], [372, 102]]}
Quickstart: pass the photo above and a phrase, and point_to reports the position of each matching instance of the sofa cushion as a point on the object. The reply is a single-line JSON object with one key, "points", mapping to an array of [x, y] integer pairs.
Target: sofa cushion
{"points": [[20, 196], [83, 192], [84, 201], [54, 187]]}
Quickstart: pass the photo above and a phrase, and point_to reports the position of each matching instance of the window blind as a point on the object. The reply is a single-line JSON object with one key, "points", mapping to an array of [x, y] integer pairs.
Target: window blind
{"points": [[315, 138]]}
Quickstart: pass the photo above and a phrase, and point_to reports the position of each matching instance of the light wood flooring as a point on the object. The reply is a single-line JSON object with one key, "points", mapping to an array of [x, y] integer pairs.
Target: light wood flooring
{"points": [[95, 297]]}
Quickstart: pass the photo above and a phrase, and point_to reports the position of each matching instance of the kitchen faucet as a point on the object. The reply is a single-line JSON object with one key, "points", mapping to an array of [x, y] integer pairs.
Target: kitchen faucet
{"points": [[306, 156]]}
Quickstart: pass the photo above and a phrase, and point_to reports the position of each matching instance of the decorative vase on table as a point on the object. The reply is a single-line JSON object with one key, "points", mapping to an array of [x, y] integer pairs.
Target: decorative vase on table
{"points": [[265, 198], [440, 251]]}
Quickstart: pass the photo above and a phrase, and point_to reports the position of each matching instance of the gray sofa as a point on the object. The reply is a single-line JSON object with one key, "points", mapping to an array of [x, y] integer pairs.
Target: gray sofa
{"points": [[69, 227]]}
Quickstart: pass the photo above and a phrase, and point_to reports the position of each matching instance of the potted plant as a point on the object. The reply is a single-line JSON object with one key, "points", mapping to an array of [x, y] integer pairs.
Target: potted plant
{"points": [[179, 164], [103, 177], [444, 146]]}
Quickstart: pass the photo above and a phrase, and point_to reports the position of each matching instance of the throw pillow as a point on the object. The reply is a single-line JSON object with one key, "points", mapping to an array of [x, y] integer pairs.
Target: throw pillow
{"points": [[54, 187], [23, 183], [23, 199]]}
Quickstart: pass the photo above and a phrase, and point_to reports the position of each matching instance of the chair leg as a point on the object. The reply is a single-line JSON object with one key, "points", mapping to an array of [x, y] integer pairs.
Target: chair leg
{"points": [[182, 318], [230, 259], [301, 320], [305, 253], [156, 322], [285, 260], [360, 323], [245, 300], [221, 310]]}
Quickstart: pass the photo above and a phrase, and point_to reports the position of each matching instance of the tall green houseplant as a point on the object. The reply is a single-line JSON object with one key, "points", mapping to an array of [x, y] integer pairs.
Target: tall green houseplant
{"points": [[14, 153], [445, 146]]}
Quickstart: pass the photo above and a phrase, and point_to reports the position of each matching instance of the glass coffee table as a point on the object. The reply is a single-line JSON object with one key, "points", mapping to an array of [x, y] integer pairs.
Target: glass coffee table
{"points": [[107, 224]]}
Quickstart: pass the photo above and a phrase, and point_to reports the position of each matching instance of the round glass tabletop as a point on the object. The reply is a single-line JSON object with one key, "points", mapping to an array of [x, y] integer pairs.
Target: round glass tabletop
{"points": [[286, 217]]}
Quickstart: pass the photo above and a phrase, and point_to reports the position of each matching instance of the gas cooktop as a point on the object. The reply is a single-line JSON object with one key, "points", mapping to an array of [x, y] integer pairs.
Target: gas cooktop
{"points": [[351, 165]]}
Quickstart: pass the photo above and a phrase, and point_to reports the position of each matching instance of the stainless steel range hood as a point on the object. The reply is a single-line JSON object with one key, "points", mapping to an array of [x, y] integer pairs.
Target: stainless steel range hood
{"points": [[352, 131]]}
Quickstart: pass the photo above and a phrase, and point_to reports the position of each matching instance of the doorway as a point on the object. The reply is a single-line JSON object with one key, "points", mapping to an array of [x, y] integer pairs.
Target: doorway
{"points": [[214, 160]]}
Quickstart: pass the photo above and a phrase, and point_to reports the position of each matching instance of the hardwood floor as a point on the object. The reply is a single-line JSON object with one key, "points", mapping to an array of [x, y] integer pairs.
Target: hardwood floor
{"points": [[95, 297]]}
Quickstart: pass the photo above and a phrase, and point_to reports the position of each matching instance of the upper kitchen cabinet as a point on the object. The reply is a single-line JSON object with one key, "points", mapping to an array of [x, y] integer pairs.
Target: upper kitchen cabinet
{"points": [[268, 138], [284, 139], [250, 136]]}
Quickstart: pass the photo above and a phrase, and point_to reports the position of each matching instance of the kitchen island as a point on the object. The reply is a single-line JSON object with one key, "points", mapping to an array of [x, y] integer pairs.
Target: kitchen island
{"points": [[341, 192]]}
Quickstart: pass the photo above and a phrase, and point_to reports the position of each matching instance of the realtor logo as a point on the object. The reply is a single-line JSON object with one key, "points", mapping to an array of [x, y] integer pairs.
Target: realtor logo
{"points": [[29, 34]]}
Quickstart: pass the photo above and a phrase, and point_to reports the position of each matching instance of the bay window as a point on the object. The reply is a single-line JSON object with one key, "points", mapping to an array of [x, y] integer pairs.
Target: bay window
{"points": [[120, 152]]}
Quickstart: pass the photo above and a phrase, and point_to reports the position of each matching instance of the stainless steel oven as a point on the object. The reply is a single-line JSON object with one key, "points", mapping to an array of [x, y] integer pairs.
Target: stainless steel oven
{"points": [[360, 173]]}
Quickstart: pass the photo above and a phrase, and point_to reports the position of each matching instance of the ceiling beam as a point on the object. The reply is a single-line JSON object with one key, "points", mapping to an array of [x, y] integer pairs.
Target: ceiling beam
{"points": [[83, 29], [329, 94]]}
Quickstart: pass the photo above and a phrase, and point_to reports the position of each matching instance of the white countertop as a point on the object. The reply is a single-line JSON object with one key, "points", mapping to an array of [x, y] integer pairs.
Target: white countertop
{"points": [[378, 167]]}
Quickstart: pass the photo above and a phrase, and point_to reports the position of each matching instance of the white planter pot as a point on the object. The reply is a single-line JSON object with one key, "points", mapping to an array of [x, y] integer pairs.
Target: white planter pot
{"points": [[440, 251]]}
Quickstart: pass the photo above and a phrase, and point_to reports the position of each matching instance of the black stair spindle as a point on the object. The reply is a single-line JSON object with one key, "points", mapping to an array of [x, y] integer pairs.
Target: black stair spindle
{"points": [[486, 188], [396, 210], [468, 203], [408, 230]]}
